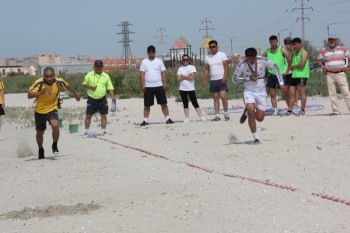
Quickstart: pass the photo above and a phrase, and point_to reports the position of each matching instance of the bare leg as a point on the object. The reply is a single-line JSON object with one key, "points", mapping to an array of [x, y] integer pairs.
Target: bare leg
{"points": [[224, 100], [103, 121], [216, 102], [87, 121]]}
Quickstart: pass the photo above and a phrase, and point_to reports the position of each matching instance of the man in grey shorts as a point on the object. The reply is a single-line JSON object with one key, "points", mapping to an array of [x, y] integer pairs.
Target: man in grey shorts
{"points": [[216, 63]]}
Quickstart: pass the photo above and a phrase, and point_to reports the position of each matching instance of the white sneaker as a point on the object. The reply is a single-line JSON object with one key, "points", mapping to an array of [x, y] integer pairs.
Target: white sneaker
{"points": [[203, 119], [187, 120], [85, 135], [103, 133], [275, 113], [227, 117]]}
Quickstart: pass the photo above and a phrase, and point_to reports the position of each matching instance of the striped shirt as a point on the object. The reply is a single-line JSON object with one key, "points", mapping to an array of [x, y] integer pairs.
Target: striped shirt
{"points": [[335, 59]]}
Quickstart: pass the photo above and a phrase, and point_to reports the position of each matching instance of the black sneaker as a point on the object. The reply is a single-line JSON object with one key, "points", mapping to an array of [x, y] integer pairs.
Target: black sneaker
{"points": [[243, 117], [41, 153], [144, 123], [54, 148], [169, 121], [256, 141]]}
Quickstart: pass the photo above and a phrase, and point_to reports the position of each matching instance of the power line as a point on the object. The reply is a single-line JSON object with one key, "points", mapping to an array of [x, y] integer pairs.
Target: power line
{"points": [[162, 37], [126, 52], [302, 8], [206, 28]]}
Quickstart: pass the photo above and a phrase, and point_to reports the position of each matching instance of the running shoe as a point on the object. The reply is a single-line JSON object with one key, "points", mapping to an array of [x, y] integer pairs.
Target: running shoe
{"points": [[216, 118], [301, 113], [227, 117], [275, 113], [41, 154], [243, 117], [144, 123], [54, 149], [187, 120], [169, 121], [203, 119]]}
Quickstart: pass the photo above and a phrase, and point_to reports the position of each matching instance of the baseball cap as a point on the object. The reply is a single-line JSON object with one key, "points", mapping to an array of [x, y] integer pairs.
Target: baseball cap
{"points": [[288, 39], [98, 63], [151, 48], [333, 36]]}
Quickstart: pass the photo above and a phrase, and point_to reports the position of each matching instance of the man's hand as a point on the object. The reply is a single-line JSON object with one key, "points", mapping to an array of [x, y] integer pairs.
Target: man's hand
{"points": [[253, 78]]}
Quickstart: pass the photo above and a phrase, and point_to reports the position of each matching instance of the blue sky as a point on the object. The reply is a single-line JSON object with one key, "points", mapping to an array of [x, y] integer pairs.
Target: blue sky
{"points": [[86, 27]]}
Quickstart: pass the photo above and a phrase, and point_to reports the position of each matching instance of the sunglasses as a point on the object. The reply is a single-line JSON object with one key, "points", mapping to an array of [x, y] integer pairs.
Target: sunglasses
{"points": [[287, 43], [212, 47], [185, 59]]}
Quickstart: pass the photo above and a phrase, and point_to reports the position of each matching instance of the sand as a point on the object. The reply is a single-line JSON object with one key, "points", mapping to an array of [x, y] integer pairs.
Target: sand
{"points": [[184, 177]]}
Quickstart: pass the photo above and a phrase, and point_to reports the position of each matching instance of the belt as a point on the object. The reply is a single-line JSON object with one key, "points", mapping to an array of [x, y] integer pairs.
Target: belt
{"points": [[335, 72]]}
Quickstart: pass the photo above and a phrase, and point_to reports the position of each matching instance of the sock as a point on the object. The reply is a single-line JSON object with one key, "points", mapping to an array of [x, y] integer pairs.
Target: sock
{"points": [[255, 136], [145, 120], [86, 130], [217, 115], [167, 117], [103, 130], [54, 144], [225, 113]]}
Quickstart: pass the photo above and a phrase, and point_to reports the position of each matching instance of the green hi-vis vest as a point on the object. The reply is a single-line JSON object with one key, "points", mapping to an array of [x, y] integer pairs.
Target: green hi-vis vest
{"points": [[278, 59], [301, 72]]}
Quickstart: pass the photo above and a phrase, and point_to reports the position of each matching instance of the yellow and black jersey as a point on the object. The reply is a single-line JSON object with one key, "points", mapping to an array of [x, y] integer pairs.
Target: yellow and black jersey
{"points": [[47, 102]]}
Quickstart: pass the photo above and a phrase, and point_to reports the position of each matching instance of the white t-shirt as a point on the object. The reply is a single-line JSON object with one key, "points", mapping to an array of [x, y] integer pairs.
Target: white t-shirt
{"points": [[216, 65], [243, 73], [186, 85], [153, 72]]}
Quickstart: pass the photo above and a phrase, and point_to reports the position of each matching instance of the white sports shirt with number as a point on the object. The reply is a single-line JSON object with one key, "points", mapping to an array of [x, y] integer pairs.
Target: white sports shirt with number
{"points": [[243, 73], [186, 85], [216, 65]]}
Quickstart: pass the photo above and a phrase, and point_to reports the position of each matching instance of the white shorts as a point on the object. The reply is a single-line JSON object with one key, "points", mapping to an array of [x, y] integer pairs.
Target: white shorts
{"points": [[259, 99]]}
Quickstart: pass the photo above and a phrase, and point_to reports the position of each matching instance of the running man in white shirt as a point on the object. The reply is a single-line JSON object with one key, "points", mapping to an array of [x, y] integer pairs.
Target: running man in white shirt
{"points": [[216, 63], [251, 71]]}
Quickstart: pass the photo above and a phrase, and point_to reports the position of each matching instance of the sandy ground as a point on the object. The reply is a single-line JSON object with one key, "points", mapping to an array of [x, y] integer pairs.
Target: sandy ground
{"points": [[184, 177]]}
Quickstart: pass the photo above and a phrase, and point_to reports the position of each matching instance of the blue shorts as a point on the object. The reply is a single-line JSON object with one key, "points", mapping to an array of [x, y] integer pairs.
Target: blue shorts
{"points": [[272, 82], [217, 86], [97, 105]]}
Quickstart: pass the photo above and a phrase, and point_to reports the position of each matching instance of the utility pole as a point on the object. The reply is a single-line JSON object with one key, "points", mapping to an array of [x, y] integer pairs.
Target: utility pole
{"points": [[206, 28], [162, 37], [126, 52], [302, 8]]}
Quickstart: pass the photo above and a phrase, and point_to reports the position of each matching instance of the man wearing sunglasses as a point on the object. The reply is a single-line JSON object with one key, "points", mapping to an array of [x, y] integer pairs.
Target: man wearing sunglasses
{"points": [[217, 65]]}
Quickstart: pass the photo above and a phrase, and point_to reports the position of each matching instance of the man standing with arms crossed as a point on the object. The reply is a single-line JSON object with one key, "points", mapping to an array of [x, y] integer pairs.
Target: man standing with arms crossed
{"points": [[216, 63], [153, 80], [280, 56], [335, 58]]}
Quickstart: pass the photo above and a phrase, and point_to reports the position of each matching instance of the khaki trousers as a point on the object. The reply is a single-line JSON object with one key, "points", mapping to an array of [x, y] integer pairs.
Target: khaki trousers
{"points": [[341, 81]]}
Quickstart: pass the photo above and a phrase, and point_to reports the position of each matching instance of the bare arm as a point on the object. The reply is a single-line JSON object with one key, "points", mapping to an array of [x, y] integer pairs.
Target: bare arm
{"points": [[142, 80], [205, 74], [164, 79], [73, 91], [224, 78], [304, 57]]}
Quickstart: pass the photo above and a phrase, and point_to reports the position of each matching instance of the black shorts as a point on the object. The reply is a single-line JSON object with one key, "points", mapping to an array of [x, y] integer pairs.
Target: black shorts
{"points": [[287, 79], [97, 105], [158, 92], [41, 119], [272, 82], [217, 86], [298, 82]]}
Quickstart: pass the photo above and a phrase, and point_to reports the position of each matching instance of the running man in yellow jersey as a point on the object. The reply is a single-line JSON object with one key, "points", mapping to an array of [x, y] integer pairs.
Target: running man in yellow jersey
{"points": [[46, 90]]}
